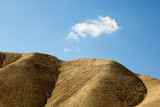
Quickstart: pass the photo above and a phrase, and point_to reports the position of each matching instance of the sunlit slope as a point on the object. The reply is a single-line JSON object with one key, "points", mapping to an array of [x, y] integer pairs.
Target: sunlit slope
{"points": [[38, 80], [152, 98], [96, 83]]}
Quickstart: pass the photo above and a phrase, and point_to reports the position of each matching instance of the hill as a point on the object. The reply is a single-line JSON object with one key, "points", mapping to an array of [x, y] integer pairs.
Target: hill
{"points": [[38, 80]]}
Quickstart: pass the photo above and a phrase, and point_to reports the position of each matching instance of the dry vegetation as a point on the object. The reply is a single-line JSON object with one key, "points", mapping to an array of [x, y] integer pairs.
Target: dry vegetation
{"points": [[38, 80]]}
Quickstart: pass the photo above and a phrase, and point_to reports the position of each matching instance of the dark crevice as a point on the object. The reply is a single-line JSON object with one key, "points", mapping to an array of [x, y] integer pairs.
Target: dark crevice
{"points": [[58, 65], [2, 58]]}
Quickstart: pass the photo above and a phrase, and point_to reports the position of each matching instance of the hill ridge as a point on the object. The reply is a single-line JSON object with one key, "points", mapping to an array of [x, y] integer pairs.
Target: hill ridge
{"points": [[38, 80]]}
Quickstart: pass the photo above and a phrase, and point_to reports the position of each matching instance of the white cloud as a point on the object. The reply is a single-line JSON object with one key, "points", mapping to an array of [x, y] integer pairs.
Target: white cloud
{"points": [[78, 50], [94, 28], [72, 35], [66, 50]]}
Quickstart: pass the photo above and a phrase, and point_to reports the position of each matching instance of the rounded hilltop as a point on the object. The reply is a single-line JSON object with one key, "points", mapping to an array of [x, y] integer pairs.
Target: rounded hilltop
{"points": [[38, 80]]}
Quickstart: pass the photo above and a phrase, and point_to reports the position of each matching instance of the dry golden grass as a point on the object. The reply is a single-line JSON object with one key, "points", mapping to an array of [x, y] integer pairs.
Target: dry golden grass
{"points": [[38, 80]]}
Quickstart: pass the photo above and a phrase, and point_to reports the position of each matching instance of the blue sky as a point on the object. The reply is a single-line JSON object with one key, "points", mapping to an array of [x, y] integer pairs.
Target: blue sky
{"points": [[44, 25]]}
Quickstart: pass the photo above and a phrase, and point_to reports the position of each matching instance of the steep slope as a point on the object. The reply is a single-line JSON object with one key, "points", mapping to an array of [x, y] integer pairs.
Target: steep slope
{"points": [[96, 83], [26, 80], [38, 80], [152, 98]]}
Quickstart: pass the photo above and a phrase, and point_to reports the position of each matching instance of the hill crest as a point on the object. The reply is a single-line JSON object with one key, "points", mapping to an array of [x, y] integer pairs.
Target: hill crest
{"points": [[38, 80]]}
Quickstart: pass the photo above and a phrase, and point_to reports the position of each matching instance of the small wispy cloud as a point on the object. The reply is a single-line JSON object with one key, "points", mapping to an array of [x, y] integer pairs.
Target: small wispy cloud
{"points": [[72, 35], [94, 28], [66, 49]]}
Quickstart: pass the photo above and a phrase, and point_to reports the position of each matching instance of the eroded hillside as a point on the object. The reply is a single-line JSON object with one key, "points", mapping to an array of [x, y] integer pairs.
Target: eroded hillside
{"points": [[38, 80], [26, 80]]}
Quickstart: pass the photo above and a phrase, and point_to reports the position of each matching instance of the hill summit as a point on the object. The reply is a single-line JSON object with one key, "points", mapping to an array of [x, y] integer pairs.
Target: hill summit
{"points": [[41, 80]]}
